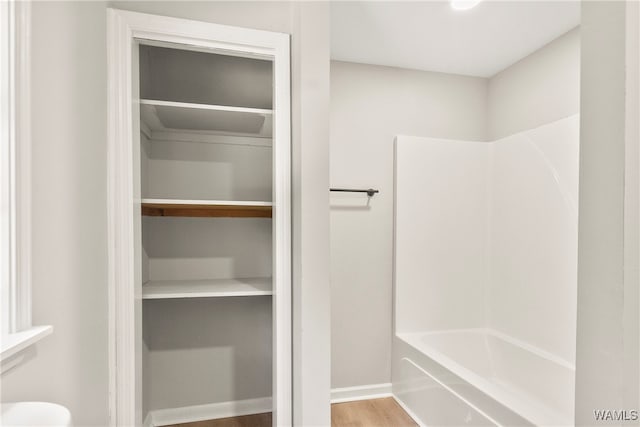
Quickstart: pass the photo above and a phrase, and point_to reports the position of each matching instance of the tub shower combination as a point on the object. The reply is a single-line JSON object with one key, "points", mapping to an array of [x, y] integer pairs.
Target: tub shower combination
{"points": [[485, 280]]}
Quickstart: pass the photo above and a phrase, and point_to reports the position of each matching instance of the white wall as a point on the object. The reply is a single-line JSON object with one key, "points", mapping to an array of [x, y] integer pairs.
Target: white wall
{"points": [[632, 207], [221, 171], [370, 105], [606, 369], [310, 175], [538, 89], [182, 249], [69, 200], [69, 212]]}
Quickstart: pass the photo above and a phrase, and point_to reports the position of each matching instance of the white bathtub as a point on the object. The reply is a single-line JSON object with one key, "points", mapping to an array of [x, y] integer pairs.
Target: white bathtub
{"points": [[481, 377]]}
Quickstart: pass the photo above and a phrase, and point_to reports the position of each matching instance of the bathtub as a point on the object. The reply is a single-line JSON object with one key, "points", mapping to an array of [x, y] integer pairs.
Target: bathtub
{"points": [[480, 377]]}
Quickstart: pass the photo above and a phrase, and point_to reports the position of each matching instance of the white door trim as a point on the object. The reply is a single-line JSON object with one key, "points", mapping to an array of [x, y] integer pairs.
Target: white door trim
{"points": [[123, 198]]}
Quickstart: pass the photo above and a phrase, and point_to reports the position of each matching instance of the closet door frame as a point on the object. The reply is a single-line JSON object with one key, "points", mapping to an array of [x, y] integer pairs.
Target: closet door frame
{"points": [[124, 31]]}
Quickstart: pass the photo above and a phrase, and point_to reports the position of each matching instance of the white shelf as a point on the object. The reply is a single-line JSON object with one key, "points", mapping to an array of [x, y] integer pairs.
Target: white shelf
{"points": [[216, 288], [207, 202], [219, 119]]}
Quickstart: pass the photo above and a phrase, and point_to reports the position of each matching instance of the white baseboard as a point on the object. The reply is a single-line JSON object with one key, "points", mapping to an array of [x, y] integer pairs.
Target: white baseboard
{"points": [[363, 392], [163, 417]]}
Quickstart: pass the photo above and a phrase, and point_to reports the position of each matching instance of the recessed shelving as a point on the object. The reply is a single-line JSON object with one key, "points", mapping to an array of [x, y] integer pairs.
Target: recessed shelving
{"points": [[182, 116], [206, 208], [205, 145], [215, 288]]}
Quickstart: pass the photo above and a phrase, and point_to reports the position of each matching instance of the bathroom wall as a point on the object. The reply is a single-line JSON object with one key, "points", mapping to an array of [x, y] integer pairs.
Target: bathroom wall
{"points": [[369, 106], [607, 330], [310, 210], [69, 199], [632, 206], [69, 228], [372, 104], [540, 88]]}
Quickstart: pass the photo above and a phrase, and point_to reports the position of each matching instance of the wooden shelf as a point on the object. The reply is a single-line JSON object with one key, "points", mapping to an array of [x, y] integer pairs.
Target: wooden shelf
{"points": [[215, 288], [206, 208], [182, 116]]}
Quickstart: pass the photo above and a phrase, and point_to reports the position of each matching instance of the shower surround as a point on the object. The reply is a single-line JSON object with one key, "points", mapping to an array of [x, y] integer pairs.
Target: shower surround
{"points": [[485, 279]]}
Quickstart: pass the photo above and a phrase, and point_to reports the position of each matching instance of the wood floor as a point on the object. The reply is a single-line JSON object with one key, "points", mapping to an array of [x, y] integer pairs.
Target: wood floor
{"points": [[257, 420], [383, 412]]}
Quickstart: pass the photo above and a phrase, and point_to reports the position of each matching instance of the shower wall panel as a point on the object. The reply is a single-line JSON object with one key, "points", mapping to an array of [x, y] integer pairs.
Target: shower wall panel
{"points": [[533, 231], [486, 235], [441, 190]]}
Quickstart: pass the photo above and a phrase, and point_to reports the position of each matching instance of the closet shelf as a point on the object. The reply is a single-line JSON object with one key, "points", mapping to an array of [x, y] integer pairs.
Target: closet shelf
{"points": [[206, 208], [214, 288], [182, 116]]}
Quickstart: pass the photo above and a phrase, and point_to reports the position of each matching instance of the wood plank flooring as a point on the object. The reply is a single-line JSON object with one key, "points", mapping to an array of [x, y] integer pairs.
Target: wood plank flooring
{"points": [[383, 412], [256, 420]]}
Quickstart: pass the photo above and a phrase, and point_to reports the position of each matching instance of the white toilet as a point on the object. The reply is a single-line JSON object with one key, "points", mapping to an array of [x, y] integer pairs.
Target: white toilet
{"points": [[34, 414]]}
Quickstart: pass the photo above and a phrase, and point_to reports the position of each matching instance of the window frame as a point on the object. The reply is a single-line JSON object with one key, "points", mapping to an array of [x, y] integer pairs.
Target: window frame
{"points": [[6, 213], [16, 330]]}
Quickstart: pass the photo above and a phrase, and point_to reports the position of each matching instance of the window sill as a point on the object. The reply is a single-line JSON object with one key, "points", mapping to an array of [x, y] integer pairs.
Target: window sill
{"points": [[12, 344]]}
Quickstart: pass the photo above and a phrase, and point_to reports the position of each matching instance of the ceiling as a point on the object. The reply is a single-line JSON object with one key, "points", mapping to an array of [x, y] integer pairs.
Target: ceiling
{"points": [[430, 35]]}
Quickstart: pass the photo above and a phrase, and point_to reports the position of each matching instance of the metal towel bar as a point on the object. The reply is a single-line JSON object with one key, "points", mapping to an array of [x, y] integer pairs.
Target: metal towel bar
{"points": [[370, 191]]}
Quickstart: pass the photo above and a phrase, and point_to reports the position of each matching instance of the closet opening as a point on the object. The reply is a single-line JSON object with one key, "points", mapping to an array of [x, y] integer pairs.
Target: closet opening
{"points": [[208, 296]]}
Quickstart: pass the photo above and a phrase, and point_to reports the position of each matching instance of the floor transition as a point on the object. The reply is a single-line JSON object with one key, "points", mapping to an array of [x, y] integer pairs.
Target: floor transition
{"points": [[383, 412]]}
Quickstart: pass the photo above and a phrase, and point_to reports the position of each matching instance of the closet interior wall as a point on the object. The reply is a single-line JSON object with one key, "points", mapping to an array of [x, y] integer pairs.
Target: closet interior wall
{"points": [[218, 348]]}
